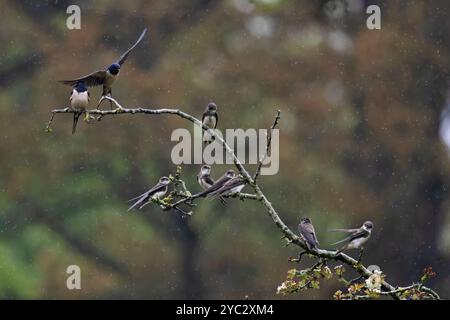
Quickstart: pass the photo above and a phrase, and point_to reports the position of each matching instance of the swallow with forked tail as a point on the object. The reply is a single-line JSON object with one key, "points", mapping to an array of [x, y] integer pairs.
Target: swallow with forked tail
{"points": [[107, 77]]}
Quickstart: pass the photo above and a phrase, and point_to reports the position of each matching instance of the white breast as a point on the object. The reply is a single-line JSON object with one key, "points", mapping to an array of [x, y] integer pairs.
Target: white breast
{"points": [[159, 194], [210, 122], [109, 79], [79, 100], [357, 243], [237, 189]]}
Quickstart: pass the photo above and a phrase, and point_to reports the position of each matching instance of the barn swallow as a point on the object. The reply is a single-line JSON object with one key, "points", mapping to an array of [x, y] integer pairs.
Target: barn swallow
{"points": [[79, 100], [205, 181], [357, 237], [210, 119], [105, 77], [217, 185], [232, 186], [306, 230], [157, 192]]}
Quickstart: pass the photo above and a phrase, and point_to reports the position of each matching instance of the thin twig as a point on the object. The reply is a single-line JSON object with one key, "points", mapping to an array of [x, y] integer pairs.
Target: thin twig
{"points": [[269, 142], [417, 286]]}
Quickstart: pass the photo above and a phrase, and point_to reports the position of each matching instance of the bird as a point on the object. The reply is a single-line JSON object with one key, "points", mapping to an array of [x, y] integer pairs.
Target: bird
{"points": [[232, 186], [79, 100], [357, 238], [210, 119], [217, 184], [307, 232], [205, 181], [156, 192], [204, 177], [105, 77]]}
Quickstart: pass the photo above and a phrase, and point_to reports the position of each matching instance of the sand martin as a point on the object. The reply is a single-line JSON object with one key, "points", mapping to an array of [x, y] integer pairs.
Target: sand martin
{"points": [[205, 181], [232, 186], [210, 119], [306, 231], [217, 184], [357, 237], [157, 192]]}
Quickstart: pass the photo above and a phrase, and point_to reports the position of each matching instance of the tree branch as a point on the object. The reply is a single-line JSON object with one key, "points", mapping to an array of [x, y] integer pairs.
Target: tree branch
{"points": [[417, 286], [269, 142], [258, 194]]}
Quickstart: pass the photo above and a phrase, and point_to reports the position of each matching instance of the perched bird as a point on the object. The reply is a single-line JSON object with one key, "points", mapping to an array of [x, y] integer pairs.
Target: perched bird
{"points": [[79, 100], [157, 192], [357, 237], [210, 119], [204, 177], [105, 77], [232, 186], [306, 230], [205, 181], [217, 185]]}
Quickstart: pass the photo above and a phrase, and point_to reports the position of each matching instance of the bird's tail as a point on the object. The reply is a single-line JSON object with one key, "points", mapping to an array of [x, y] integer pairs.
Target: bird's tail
{"points": [[340, 230], [76, 116], [142, 199], [139, 196], [207, 138], [340, 241], [223, 201]]}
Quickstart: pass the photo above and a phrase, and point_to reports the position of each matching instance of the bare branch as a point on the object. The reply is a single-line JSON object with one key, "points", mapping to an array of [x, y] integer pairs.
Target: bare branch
{"points": [[269, 142]]}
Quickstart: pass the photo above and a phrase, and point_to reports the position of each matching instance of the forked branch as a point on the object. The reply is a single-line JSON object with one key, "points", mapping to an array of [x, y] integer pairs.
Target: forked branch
{"points": [[258, 195]]}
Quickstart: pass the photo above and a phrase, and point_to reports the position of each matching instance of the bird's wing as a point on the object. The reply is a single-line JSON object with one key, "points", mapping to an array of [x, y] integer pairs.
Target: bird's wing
{"points": [[156, 188], [135, 198], [152, 190], [344, 230], [217, 120], [357, 233], [233, 183], [124, 56], [140, 200], [217, 185], [208, 180], [343, 240], [91, 80], [203, 117], [307, 230]]}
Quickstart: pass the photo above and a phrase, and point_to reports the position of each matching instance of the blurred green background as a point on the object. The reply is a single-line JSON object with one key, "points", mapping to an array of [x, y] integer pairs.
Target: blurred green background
{"points": [[363, 136]]}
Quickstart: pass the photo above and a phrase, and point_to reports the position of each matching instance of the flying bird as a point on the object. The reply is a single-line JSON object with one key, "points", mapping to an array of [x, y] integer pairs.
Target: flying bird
{"points": [[107, 77], [157, 192], [306, 231], [217, 184], [79, 100], [210, 119], [357, 237], [232, 186], [205, 181]]}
